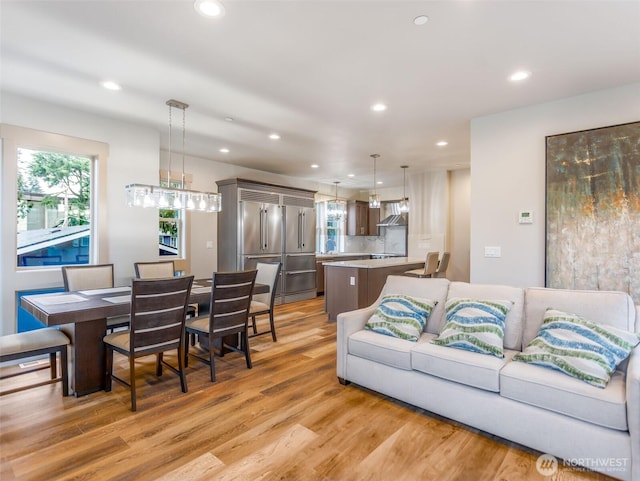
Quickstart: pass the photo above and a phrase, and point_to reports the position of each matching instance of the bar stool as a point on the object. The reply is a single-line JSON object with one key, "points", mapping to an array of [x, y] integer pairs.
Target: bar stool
{"points": [[35, 343]]}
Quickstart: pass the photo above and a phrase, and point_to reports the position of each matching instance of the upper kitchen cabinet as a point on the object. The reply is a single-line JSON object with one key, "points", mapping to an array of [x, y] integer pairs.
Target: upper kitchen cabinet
{"points": [[361, 220]]}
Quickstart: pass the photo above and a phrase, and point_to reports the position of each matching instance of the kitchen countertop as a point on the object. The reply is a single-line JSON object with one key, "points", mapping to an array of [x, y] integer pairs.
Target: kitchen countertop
{"points": [[341, 254], [375, 263]]}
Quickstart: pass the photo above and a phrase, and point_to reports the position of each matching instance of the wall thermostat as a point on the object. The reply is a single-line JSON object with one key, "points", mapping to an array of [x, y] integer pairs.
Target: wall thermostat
{"points": [[525, 217]]}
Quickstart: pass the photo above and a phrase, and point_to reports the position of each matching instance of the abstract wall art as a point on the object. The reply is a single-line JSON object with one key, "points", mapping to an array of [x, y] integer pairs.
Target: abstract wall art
{"points": [[593, 209]]}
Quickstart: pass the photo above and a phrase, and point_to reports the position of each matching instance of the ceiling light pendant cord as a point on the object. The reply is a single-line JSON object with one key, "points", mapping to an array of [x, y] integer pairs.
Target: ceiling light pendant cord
{"points": [[374, 200], [404, 203], [170, 139], [184, 130], [404, 182], [374, 173]]}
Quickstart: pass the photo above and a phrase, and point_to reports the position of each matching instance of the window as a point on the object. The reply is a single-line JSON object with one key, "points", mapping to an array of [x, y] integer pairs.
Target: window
{"points": [[170, 227], [330, 219], [53, 208]]}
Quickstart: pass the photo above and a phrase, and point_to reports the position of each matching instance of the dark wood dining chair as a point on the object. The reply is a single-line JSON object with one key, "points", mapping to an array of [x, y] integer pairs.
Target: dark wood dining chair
{"points": [[157, 270], [228, 315], [87, 277], [268, 273], [158, 313], [430, 266]]}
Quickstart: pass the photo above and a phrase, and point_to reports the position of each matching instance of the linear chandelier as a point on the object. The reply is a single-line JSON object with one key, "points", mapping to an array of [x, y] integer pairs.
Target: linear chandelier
{"points": [[170, 196]]}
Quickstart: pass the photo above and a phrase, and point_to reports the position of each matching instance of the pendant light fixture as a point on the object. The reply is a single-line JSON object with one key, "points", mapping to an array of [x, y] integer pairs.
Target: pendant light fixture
{"points": [[336, 211], [404, 203], [374, 199], [168, 196]]}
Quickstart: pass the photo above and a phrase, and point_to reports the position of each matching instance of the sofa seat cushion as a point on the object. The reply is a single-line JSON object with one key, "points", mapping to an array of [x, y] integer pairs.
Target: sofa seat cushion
{"points": [[465, 367], [388, 350], [554, 391]]}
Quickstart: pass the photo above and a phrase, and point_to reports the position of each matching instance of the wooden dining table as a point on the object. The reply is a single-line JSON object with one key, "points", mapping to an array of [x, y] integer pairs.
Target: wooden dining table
{"points": [[82, 316]]}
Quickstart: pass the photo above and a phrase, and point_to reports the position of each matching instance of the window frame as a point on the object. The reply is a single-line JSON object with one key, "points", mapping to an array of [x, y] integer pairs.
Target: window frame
{"points": [[13, 278]]}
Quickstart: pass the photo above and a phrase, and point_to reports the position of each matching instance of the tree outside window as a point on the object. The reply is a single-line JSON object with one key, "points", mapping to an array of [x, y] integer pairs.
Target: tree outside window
{"points": [[53, 208]]}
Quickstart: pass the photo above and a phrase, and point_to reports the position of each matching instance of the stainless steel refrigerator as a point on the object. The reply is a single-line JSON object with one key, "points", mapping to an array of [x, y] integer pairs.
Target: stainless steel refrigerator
{"points": [[299, 267], [270, 223], [261, 233]]}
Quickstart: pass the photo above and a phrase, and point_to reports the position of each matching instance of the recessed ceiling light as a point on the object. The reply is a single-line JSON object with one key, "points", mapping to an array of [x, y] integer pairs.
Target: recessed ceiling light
{"points": [[351, 175], [110, 85], [314, 166], [224, 150], [229, 119], [442, 143], [209, 8], [420, 20], [379, 182], [519, 75], [274, 136], [379, 107]]}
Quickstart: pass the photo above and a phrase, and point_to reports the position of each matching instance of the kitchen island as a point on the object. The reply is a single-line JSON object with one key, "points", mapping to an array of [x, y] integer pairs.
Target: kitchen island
{"points": [[353, 284]]}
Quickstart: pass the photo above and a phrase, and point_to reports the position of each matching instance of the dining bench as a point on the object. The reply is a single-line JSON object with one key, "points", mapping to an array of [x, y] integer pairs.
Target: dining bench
{"points": [[36, 343]]}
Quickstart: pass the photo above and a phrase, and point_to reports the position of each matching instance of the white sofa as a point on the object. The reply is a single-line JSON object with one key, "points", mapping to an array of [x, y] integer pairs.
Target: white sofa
{"points": [[538, 407]]}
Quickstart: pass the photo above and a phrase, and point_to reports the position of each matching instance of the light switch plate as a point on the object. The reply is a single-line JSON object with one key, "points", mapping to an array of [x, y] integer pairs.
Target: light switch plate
{"points": [[352, 281], [492, 251]]}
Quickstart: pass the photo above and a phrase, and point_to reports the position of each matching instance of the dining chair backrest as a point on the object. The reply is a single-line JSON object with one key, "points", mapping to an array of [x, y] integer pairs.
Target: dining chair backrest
{"points": [[268, 273], [154, 270], [158, 312], [230, 302], [444, 263], [85, 277], [431, 263]]}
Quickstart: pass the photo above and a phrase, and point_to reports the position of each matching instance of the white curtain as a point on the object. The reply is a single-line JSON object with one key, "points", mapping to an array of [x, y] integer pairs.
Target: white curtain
{"points": [[429, 213]]}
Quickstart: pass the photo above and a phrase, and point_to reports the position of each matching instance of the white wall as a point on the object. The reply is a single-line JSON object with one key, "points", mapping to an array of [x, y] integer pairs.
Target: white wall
{"points": [[459, 222], [508, 175]]}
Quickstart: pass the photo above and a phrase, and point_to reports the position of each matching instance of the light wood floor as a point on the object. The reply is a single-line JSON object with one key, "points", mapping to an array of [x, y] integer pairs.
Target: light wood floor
{"points": [[288, 418]]}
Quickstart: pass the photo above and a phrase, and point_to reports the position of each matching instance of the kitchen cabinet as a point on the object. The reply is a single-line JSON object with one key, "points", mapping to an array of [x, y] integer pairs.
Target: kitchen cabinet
{"points": [[351, 285], [339, 257], [361, 220], [373, 220]]}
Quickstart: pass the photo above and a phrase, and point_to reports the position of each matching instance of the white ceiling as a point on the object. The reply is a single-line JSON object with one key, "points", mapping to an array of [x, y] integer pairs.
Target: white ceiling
{"points": [[309, 70]]}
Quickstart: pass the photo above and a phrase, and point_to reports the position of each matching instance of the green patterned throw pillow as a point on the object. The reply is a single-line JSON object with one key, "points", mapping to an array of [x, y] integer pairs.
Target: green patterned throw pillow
{"points": [[578, 347], [401, 316], [475, 325]]}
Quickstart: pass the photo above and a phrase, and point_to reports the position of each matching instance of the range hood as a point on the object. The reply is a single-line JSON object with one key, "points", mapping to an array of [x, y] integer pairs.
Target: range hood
{"points": [[392, 215], [393, 220]]}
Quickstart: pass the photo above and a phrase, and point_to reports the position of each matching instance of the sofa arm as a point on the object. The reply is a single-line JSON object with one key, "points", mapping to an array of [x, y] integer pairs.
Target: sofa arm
{"points": [[348, 323], [633, 410]]}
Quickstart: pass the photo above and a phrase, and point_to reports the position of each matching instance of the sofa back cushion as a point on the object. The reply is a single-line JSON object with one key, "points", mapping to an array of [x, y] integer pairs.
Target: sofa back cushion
{"points": [[513, 321], [606, 307], [426, 288]]}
